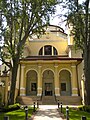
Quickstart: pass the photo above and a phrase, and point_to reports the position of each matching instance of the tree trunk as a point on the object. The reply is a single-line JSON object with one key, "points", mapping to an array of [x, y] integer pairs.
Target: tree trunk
{"points": [[87, 56], [13, 81], [87, 76]]}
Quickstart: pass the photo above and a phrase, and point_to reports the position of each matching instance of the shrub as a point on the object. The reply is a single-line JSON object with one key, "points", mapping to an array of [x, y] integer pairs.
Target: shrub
{"points": [[87, 108], [10, 108], [81, 107], [84, 108]]}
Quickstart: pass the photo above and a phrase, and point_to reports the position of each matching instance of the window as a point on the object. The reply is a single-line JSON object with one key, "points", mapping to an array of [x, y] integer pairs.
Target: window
{"points": [[33, 87], [54, 51], [48, 50], [41, 51], [63, 86]]}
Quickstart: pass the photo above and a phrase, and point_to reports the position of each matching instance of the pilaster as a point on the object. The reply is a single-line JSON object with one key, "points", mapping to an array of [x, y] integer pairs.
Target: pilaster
{"points": [[22, 86], [74, 81], [83, 90], [39, 85], [56, 78]]}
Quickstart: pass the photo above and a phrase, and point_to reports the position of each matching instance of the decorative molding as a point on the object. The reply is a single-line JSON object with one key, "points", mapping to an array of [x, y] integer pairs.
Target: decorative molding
{"points": [[67, 70], [22, 88], [74, 89], [22, 66], [38, 94], [30, 70], [48, 69], [57, 94], [39, 88], [39, 66], [22, 95], [73, 66], [74, 94], [57, 88], [48, 40], [56, 66]]}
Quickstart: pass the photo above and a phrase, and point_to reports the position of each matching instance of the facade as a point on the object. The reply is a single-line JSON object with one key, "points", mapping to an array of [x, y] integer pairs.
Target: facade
{"points": [[50, 66]]}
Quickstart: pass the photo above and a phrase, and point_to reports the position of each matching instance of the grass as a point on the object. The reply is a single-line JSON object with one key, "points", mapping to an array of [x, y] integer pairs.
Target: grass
{"points": [[75, 114], [17, 114]]}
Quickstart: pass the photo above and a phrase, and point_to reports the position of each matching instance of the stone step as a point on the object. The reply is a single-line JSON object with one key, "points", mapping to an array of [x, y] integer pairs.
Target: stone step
{"points": [[69, 100], [28, 100], [48, 100]]}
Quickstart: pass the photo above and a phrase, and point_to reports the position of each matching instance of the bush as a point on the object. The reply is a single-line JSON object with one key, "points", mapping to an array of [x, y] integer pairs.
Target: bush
{"points": [[87, 108], [81, 108], [84, 108], [10, 108]]}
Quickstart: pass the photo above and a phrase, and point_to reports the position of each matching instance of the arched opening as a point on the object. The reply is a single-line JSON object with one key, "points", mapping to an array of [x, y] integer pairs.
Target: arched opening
{"points": [[31, 83], [65, 83], [48, 50], [48, 84]]}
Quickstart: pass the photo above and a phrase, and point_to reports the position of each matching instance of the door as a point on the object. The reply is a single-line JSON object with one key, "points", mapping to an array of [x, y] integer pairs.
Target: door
{"points": [[48, 89]]}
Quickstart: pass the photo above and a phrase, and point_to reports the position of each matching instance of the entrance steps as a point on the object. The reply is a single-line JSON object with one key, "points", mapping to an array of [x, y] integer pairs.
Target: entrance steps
{"points": [[69, 100], [48, 100], [28, 100]]}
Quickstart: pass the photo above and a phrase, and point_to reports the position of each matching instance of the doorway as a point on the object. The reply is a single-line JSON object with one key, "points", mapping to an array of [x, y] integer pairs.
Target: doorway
{"points": [[48, 89], [65, 83], [48, 83], [31, 83]]}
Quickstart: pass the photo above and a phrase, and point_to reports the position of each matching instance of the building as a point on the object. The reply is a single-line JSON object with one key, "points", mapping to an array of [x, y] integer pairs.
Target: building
{"points": [[51, 67]]}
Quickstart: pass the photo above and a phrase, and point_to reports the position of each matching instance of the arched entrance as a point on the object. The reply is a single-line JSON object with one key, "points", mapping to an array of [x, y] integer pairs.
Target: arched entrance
{"points": [[48, 84], [65, 83], [31, 83]]}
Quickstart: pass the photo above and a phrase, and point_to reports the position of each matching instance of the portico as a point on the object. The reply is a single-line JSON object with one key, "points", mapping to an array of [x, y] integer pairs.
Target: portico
{"points": [[49, 78]]}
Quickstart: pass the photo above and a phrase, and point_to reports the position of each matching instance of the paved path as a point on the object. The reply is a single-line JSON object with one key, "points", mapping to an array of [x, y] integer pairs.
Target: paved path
{"points": [[47, 112]]}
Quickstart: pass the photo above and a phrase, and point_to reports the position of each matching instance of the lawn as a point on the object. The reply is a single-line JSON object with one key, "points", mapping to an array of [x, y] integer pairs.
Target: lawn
{"points": [[75, 114], [17, 114]]}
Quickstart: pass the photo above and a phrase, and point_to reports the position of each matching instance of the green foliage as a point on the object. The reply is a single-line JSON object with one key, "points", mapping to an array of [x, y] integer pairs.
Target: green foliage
{"points": [[17, 114], [81, 107], [14, 106], [76, 114], [10, 108], [23, 18], [78, 15], [84, 108]]}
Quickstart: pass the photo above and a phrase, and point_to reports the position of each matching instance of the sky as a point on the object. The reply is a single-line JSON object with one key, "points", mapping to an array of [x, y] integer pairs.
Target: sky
{"points": [[59, 21]]}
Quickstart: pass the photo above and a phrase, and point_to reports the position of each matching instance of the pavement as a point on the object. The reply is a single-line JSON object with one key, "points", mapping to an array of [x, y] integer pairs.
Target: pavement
{"points": [[48, 112]]}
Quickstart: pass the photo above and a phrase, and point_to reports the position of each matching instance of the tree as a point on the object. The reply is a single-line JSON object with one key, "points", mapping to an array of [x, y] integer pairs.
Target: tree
{"points": [[79, 16], [20, 19]]}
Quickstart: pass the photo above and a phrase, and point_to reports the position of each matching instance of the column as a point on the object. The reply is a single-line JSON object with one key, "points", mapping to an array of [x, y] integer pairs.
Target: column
{"points": [[83, 89], [56, 79], [74, 81], [39, 85], [22, 86]]}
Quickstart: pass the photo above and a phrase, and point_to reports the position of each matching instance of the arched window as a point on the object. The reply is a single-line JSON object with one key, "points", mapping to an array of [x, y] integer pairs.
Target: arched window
{"points": [[48, 50]]}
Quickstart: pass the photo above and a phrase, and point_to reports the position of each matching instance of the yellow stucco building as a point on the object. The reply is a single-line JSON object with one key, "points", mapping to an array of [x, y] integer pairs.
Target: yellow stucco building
{"points": [[51, 67]]}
